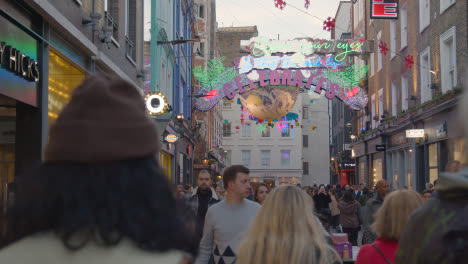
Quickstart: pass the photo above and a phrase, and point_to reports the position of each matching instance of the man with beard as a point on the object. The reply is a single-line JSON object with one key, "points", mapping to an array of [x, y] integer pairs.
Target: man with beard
{"points": [[203, 196]]}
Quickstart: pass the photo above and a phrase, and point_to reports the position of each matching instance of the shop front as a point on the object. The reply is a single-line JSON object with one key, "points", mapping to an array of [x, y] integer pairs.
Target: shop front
{"points": [[358, 152], [21, 114], [442, 147], [400, 161], [348, 173]]}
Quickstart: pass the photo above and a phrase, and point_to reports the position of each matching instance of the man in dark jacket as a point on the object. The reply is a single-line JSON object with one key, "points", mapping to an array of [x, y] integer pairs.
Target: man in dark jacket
{"points": [[203, 196], [372, 205]]}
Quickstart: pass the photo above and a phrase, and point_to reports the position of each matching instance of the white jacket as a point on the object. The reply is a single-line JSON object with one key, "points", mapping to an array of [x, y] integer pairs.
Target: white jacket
{"points": [[47, 248]]}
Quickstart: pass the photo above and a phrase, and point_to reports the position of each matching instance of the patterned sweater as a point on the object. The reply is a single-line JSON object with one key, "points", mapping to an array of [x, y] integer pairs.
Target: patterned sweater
{"points": [[225, 227]]}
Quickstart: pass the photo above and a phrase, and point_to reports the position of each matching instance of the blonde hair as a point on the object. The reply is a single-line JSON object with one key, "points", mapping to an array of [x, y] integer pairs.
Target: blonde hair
{"points": [[396, 209], [286, 231]]}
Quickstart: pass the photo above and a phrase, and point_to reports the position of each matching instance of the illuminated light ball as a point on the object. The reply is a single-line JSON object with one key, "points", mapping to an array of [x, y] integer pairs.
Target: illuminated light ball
{"points": [[260, 121], [350, 94], [313, 127], [355, 90]]}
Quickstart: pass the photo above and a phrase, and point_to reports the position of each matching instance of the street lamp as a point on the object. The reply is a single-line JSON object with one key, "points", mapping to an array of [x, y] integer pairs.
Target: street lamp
{"points": [[353, 137], [180, 117], [349, 125]]}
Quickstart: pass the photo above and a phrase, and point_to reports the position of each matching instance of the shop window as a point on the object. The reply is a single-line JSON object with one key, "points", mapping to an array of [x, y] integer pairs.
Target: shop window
{"points": [[226, 130], [433, 163], [426, 93], [377, 168], [130, 30], [448, 60], [64, 77]]}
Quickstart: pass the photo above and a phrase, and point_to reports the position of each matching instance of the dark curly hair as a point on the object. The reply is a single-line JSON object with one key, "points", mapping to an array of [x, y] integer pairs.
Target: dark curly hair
{"points": [[124, 199]]}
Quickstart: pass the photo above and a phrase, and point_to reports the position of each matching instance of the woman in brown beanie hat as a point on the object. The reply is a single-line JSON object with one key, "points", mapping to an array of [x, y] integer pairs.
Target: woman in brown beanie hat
{"points": [[100, 197]]}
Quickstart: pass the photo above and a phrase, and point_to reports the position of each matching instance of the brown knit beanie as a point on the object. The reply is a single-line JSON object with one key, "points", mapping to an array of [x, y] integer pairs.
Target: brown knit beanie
{"points": [[105, 120]]}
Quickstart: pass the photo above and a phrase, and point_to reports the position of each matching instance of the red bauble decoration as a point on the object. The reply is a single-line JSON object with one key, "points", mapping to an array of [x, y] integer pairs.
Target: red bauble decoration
{"points": [[350, 94], [383, 48], [355, 90], [307, 4], [292, 126], [280, 4], [409, 60], [260, 121], [237, 127], [329, 24]]}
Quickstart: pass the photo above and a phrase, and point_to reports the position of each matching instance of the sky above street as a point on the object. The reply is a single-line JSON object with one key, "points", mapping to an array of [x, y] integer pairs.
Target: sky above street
{"points": [[289, 23]]}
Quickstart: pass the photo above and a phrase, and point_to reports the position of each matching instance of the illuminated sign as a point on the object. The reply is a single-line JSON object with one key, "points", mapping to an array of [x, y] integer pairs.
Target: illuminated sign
{"points": [[415, 133], [300, 63], [18, 63], [380, 147], [384, 9], [171, 138], [156, 103]]}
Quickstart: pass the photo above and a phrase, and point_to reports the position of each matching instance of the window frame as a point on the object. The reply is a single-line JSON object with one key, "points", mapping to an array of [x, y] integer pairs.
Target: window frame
{"points": [[263, 159], [393, 39], [426, 93], [424, 19], [243, 160], [444, 68], [404, 92], [445, 4], [403, 27], [283, 165]]}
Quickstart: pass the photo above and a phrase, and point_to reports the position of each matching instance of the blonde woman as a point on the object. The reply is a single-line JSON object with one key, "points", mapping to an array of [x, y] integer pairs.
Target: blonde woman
{"points": [[286, 231], [390, 220]]}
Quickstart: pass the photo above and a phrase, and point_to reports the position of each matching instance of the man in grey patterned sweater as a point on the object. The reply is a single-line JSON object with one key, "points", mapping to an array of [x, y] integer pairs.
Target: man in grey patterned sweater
{"points": [[226, 222]]}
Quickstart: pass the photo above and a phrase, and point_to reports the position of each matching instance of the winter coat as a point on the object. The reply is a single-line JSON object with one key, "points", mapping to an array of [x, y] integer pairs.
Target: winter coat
{"points": [[372, 205], [193, 200], [47, 248], [322, 202], [369, 255], [438, 231], [350, 214], [334, 206], [364, 198]]}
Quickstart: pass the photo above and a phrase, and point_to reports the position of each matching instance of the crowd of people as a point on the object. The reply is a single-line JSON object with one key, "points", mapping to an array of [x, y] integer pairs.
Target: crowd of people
{"points": [[90, 202]]}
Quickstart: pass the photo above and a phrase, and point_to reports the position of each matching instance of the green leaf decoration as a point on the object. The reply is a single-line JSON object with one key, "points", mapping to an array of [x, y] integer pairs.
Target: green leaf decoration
{"points": [[214, 75], [349, 78]]}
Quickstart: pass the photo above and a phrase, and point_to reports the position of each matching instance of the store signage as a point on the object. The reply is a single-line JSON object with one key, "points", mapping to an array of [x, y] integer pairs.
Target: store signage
{"points": [[156, 103], [380, 147], [384, 9], [189, 149], [171, 138], [347, 165], [18, 63], [415, 133]]}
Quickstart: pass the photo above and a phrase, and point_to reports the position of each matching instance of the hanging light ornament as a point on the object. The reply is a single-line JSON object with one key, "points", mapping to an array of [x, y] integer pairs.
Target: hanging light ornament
{"points": [[307, 4], [280, 4], [409, 60], [383, 48], [329, 24], [313, 127]]}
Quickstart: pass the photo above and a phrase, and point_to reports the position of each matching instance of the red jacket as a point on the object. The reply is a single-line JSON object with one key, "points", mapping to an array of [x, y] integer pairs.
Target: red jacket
{"points": [[369, 255]]}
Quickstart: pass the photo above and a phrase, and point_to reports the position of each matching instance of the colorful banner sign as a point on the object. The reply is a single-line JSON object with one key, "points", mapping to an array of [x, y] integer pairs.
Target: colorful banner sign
{"points": [[384, 9]]}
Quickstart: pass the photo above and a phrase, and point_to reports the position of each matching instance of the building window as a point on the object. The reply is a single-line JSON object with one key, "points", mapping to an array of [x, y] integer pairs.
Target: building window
{"points": [[394, 99], [246, 130], [444, 4], [226, 130], [379, 55], [265, 157], [286, 132], [448, 60], [285, 158], [426, 93], [373, 111], [246, 158], [404, 93], [111, 8], [266, 132], [381, 103], [305, 168], [404, 26], [305, 112], [201, 12], [392, 38], [305, 140], [201, 50], [372, 58], [130, 30], [424, 14], [226, 104]]}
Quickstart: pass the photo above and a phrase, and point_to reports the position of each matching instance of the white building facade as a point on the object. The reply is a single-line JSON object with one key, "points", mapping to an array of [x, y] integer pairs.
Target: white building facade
{"points": [[315, 138], [273, 157]]}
